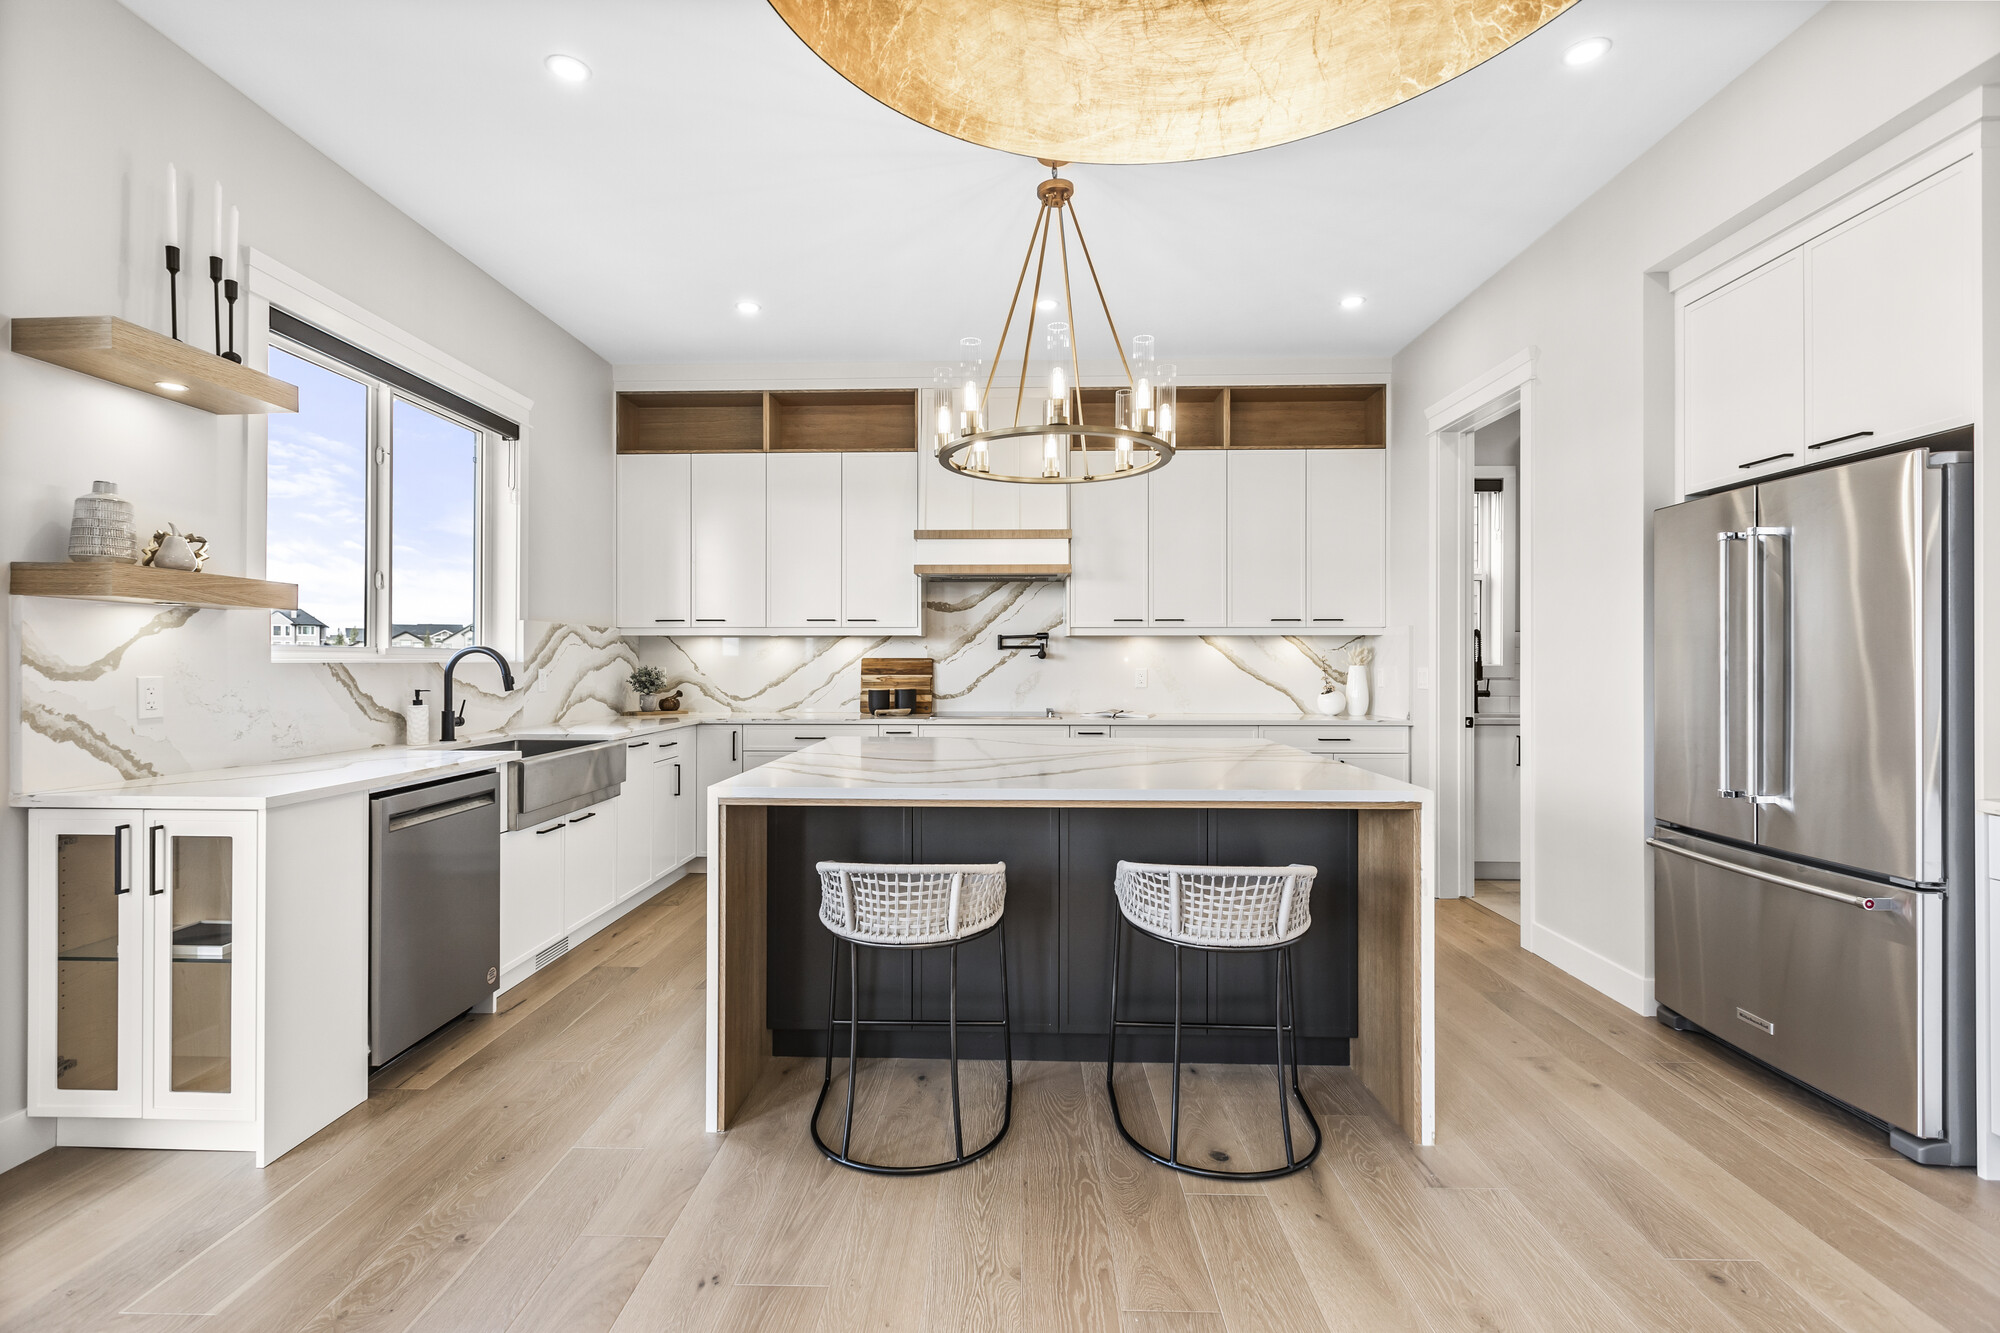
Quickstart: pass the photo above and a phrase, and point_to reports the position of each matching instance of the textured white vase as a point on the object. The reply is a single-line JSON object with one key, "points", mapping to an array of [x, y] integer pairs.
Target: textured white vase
{"points": [[100, 527], [1357, 691]]}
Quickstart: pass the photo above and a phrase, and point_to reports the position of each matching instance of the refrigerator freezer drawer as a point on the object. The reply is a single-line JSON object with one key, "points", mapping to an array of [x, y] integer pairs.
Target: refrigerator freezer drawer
{"points": [[1836, 981]]}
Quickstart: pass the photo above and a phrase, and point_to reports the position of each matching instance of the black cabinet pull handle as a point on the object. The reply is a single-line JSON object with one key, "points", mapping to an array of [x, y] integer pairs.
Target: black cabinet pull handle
{"points": [[118, 880], [550, 829], [733, 735], [638, 745], [677, 779], [861, 620], [1336, 738], [808, 738], [1759, 462], [1284, 620], [1171, 620], [1128, 620], [668, 620], [578, 819], [819, 620], [1329, 620], [154, 855], [1842, 439]]}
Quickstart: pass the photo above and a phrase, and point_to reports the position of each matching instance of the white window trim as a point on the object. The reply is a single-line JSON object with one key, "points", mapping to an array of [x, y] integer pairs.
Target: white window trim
{"points": [[267, 283]]}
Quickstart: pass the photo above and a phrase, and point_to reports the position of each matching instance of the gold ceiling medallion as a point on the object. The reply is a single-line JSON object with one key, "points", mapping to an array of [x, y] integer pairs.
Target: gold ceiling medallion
{"points": [[1049, 391], [1152, 80]]}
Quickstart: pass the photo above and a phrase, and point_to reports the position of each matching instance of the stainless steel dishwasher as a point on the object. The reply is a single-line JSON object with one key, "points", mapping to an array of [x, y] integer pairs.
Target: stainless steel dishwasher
{"points": [[434, 908]]}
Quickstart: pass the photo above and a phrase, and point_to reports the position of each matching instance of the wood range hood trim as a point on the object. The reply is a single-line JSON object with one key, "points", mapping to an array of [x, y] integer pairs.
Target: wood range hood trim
{"points": [[1037, 555]]}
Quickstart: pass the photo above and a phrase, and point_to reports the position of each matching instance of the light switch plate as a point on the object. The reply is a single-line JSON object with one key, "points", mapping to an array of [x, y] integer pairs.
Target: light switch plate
{"points": [[152, 700], [1423, 678]]}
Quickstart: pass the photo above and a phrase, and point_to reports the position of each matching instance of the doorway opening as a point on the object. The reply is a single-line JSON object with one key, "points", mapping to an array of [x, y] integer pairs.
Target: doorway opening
{"points": [[1493, 550]]}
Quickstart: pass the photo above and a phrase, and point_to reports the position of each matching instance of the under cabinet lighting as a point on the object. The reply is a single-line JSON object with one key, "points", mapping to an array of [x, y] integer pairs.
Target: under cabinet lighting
{"points": [[1353, 302], [747, 307], [568, 68], [1587, 50], [170, 386]]}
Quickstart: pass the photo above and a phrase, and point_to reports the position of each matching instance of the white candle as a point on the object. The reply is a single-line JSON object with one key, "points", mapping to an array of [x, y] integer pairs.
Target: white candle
{"points": [[173, 207], [235, 241], [216, 249], [1056, 383]]}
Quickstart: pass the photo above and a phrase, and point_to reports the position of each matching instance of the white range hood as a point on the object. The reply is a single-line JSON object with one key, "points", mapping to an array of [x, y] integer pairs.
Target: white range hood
{"points": [[969, 555]]}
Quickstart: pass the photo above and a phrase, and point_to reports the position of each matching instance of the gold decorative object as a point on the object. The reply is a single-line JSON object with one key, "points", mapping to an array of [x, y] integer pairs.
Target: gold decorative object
{"points": [[1056, 433], [171, 549], [1152, 80]]}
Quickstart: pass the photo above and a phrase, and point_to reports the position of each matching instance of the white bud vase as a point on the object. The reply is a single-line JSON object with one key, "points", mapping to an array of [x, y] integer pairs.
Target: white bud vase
{"points": [[1357, 691], [1331, 703]]}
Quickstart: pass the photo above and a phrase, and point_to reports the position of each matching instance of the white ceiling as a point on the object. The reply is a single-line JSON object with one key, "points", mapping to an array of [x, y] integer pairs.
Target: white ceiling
{"points": [[713, 158]]}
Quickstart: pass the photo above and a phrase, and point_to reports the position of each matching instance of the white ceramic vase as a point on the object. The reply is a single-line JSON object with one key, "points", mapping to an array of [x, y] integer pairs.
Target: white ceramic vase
{"points": [[100, 528], [1357, 691], [1331, 703]]}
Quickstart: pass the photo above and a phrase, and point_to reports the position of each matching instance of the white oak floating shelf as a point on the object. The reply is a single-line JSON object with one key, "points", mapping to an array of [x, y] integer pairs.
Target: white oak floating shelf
{"points": [[138, 358], [141, 583]]}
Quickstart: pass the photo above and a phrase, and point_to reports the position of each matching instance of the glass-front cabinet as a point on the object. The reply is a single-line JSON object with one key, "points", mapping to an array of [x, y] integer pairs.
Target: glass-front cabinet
{"points": [[142, 977]]}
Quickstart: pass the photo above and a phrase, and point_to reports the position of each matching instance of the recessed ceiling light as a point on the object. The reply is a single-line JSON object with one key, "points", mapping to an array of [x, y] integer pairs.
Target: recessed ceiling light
{"points": [[568, 68], [747, 307], [1587, 50], [170, 386], [1047, 303], [1353, 302]]}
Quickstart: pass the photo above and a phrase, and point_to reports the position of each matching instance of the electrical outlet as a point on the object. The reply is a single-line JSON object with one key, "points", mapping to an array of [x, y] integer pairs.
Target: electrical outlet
{"points": [[1423, 678], [1139, 679], [152, 701], [541, 684]]}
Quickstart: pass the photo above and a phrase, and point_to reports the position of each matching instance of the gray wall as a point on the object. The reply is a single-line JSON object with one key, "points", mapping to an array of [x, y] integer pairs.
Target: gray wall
{"points": [[1599, 452], [93, 105]]}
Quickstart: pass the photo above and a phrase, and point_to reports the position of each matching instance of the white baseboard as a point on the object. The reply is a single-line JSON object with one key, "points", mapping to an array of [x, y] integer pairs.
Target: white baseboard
{"points": [[23, 1136], [1631, 989]]}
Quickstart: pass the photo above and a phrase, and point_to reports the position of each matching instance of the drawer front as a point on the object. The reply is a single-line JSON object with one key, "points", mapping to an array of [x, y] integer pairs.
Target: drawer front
{"points": [[1198, 730], [995, 733], [796, 736], [1332, 738]]}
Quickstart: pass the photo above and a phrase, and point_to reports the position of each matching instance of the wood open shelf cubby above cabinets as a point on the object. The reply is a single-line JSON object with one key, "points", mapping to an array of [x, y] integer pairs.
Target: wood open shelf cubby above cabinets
{"points": [[757, 421], [1282, 416]]}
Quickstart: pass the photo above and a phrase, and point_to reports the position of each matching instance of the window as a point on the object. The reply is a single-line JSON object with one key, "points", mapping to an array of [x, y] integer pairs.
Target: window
{"points": [[382, 506]]}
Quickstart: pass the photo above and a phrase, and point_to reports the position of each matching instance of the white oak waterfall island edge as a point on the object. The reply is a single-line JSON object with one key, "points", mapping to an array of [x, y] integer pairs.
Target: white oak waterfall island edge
{"points": [[1393, 1047]]}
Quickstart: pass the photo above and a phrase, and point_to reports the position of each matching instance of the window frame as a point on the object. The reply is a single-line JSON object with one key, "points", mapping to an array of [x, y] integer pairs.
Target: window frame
{"points": [[499, 468]]}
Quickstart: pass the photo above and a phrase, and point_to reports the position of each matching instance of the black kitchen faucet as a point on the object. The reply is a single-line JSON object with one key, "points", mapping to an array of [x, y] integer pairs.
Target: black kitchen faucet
{"points": [[451, 723]]}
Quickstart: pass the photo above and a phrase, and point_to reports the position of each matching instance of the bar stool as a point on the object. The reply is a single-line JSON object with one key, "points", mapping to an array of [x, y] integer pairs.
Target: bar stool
{"points": [[1217, 909], [910, 907]]}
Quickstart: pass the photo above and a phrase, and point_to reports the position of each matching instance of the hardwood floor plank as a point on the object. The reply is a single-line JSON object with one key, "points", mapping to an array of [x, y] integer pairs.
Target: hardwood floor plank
{"points": [[1209, 1136], [1258, 1280], [589, 1286], [1069, 1280], [1156, 1258], [504, 1275], [772, 1309], [1754, 1297], [885, 1264], [1170, 1321], [977, 1247], [1354, 1278]]}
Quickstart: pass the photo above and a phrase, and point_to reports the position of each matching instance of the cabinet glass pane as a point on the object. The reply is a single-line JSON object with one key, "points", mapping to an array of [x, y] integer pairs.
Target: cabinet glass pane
{"points": [[203, 900], [86, 961]]}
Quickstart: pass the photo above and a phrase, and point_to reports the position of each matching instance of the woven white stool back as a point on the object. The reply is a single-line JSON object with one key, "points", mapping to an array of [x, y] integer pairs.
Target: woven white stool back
{"points": [[892, 904], [1218, 907]]}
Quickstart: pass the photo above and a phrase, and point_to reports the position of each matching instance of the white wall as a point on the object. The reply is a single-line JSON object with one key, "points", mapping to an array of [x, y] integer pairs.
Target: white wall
{"points": [[93, 105], [1599, 445]]}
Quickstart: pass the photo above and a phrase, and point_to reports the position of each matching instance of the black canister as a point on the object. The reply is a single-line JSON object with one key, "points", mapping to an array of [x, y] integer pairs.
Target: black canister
{"points": [[877, 700], [906, 699]]}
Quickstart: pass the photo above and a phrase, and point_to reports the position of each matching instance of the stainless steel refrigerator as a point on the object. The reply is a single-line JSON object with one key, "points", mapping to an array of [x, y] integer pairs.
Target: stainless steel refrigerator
{"points": [[1812, 854]]}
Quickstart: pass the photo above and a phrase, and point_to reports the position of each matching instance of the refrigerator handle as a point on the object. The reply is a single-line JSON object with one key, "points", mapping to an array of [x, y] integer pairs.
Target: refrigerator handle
{"points": [[1760, 720], [1725, 787], [1886, 903]]}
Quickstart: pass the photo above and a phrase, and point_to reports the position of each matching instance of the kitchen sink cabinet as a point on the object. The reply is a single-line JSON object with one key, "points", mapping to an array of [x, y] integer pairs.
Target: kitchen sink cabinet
{"points": [[531, 892], [590, 865]]}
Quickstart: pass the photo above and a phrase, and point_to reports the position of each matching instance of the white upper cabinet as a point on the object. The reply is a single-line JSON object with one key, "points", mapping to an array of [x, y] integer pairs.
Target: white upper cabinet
{"points": [[1743, 377], [1189, 527], [727, 521], [1894, 319], [654, 546], [1267, 539], [1347, 540], [803, 503], [1108, 553], [878, 506]]}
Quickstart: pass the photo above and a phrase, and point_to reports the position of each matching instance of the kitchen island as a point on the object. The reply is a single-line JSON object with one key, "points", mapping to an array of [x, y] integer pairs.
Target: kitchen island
{"points": [[1061, 812]]}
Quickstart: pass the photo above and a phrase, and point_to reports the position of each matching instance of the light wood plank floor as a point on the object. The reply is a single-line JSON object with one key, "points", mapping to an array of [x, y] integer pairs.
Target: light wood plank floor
{"points": [[543, 1168]]}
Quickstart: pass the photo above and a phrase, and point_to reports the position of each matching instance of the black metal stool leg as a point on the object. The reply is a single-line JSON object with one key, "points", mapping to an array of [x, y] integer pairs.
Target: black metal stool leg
{"points": [[1278, 1055], [1174, 1131], [957, 1116], [1006, 1031], [853, 1046], [1111, 1043]]}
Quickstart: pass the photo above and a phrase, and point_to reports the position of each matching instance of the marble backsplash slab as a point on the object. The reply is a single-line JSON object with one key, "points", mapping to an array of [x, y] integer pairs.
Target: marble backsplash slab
{"points": [[1249, 674], [227, 703]]}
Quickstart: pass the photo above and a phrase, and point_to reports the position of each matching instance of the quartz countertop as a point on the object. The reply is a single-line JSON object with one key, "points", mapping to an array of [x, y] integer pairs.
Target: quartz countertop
{"points": [[290, 781], [1059, 770]]}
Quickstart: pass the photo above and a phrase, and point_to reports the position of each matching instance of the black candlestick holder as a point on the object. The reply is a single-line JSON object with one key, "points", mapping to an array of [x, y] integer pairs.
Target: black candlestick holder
{"points": [[229, 290], [174, 290], [215, 276]]}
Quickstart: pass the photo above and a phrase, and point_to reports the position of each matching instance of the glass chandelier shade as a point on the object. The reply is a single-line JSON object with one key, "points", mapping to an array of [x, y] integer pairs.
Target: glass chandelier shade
{"points": [[1027, 416]]}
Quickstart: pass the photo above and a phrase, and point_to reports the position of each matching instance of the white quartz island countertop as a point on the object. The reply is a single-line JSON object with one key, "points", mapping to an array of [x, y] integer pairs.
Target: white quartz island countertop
{"points": [[1059, 770]]}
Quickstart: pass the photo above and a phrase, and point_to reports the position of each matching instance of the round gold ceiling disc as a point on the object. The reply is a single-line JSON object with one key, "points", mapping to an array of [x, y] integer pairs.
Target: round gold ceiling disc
{"points": [[1152, 80]]}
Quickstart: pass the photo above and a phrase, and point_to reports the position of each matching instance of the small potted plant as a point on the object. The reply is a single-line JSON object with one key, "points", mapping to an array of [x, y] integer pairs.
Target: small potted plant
{"points": [[647, 682], [1331, 698]]}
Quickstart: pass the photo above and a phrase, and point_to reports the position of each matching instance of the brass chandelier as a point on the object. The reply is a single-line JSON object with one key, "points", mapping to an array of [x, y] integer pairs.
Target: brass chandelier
{"points": [[1048, 440]]}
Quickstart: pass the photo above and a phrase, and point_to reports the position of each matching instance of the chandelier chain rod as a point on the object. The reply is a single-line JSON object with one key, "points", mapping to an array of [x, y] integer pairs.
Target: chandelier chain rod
{"points": [[1028, 338], [1075, 337], [1116, 341], [986, 394]]}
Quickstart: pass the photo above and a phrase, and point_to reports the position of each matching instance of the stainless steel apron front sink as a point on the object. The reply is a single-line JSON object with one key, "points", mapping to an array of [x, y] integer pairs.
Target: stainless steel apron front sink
{"points": [[557, 775]]}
